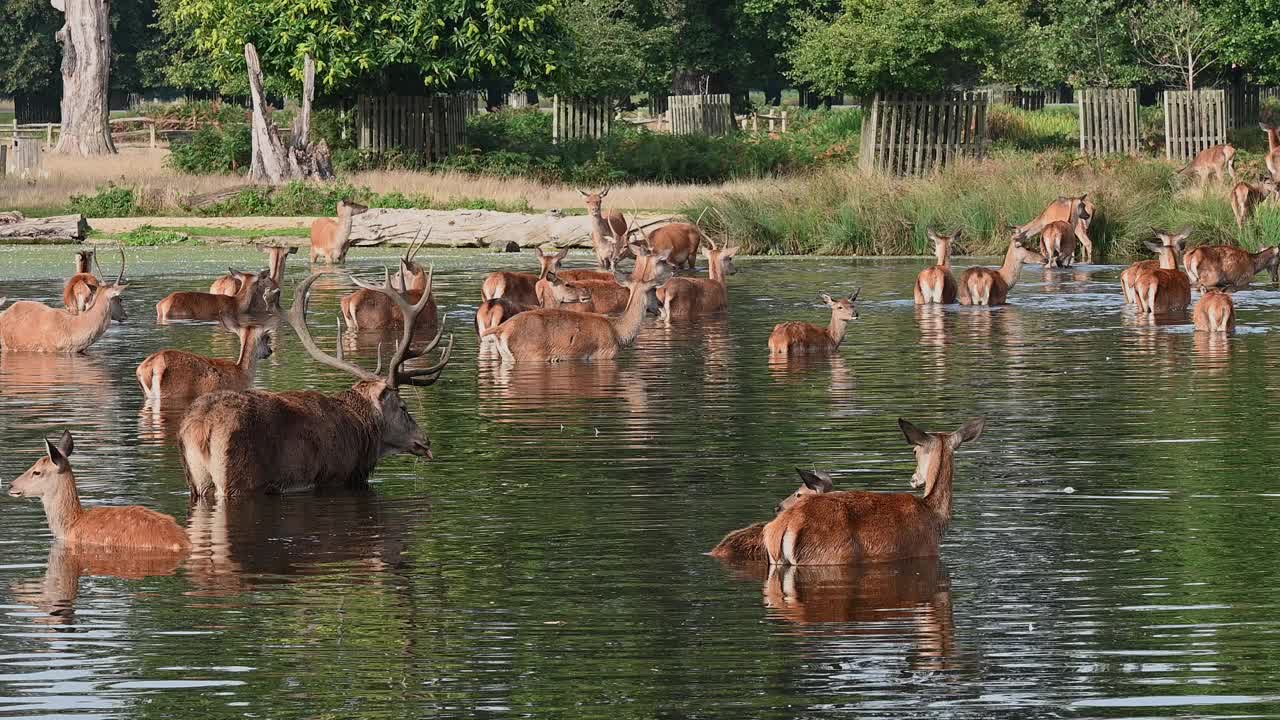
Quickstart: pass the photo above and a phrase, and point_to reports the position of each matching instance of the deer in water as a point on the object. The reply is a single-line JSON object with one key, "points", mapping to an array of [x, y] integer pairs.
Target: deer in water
{"points": [[330, 238], [1245, 197], [1130, 274], [1273, 151], [553, 294], [680, 241], [52, 480], [371, 310], [1165, 289], [1062, 210], [985, 286], [255, 441], [1058, 238], [518, 287], [1228, 267], [277, 256], [554, 335], [843, 528], [936, 284], [29, 326], [1215, 312], [248, 300], [608, 229], [183, 376], [1218, 161], [684, 298], [799, 338], [747, 544], [77, 294]]}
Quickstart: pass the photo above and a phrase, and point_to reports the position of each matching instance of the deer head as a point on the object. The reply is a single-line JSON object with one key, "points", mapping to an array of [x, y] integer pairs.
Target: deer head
{"points": [[844, 308], [49, 473], [814, 482]]}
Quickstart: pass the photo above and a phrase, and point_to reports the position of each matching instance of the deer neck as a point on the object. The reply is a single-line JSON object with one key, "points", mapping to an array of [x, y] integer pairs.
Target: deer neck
{"points": [[62, 506], [937, 486], [598, 223], [89, 325], [1168, 261], [278, 260], [1012, 267], [248, 354], [944, 258], [715, 270], [1263, 259], [837, 329], [82, 264], [627, 327], [344, 233], [1273, 141]]}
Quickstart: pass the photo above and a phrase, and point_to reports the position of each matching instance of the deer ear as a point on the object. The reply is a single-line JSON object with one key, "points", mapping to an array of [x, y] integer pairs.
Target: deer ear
{"points": [[65, 444], [55, 455], [827, 299], [537, 251], [971, 429], [816, 480], [564, 253], [1154, 247], [914, 435]]}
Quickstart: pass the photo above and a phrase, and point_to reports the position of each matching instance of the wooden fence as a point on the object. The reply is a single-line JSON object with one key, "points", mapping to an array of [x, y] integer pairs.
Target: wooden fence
{"points": [[910, 134], [24, 157], [1022, 99], [580, 117], [1193, 121], [1108, 121], [434, 125], [701, 114]]}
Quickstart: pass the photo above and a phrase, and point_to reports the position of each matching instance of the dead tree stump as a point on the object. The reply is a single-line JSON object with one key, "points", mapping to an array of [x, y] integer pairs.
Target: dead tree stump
{"points": [[273, 162]]}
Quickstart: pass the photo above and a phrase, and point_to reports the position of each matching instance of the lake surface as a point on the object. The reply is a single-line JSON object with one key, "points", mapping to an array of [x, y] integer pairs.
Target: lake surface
{"points": [[1114, 551]]}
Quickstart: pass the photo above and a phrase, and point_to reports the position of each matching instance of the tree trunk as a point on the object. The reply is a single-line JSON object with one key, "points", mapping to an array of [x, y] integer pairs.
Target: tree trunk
{"points": [[86, 72], [272, 162]]}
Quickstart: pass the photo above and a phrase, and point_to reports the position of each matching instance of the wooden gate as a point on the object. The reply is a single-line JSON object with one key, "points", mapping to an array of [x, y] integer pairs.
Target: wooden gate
{"points": [[1193, 121], [24, 157], [580, 117], [701, 114], [435, 126], [910, 134], [1108, 121]]}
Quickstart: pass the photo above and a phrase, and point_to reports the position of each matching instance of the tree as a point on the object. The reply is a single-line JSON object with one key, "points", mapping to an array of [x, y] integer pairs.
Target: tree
{"points": [[86, 74], [612, 50], [1087, 44], [1249, 34], [28, 53], [1174, 41]]}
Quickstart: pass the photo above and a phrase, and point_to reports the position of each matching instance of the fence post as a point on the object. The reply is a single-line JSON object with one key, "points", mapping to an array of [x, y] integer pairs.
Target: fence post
{"points": [[4, 159], [784, 121], [152, 127]]}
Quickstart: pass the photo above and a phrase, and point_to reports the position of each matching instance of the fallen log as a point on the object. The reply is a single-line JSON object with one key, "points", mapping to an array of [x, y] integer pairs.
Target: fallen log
{"points": [[62, 229], [474, 228]]}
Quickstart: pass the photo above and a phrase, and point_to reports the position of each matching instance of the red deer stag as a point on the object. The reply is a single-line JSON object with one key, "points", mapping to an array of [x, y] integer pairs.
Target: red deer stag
{"points": [[747, 544], [1215, 312], [554, 335], [985, 286], [372, 310], [1165, 289], [936, 284], [608, 230], [52, 480], [330, 238], [1061, 210], [248, 300], [255, 441], [684, 298], [35, 327], [77, 294], [843, 528], [799, 338], [1130, 274], [183, 376], [1218, 161], [1229, 268]]}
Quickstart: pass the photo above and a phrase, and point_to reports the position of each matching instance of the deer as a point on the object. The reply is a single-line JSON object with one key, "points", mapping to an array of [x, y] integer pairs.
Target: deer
{"points": [[746, 544], [1130, 274], [183, 376], [1228, 267], [680, 240], [51, 479], [984, 286], [248, 300], [1218, 161], [1165, 289], [936, 284], [843, 528], [554, 335], [553, 294], [77, 293], [330, 238], [277, 256], [28, 326], [1058, 238], [371, 310], [1215, 312], [1061, 210], [1246, 196], [799, 338], [246, 442], [1273, 151], [609, 230], [686, 298], [517, 286]]}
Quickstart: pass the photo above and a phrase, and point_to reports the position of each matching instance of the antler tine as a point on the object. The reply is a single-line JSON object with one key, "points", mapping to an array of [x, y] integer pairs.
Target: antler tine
{"points": [[120, 277], [97, 264], [298, 319], [421, 243], [409, 317], [422, 377], [698, 222]]}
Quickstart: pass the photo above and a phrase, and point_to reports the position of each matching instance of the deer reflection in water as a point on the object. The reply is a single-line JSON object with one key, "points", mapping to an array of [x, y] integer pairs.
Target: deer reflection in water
{"points": [[49, 385], [55, 594]]}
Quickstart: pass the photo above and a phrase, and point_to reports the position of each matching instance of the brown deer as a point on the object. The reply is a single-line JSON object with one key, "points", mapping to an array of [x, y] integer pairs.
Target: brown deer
{"points": [[553, 294], [248, 300], [747, 544], [277, 256], [936, 284], [255, 441], [1228, 267], [799, 338], [330, 238], [52, 480], [554, 335], [842, 528], [684, 298], [371, 310], [1061, 210], [1165, 289], [35, 327], [1218, 161], [985, 286], [1130, 274], [180, 375], [77, 294], [1245, 197], [680, 240], [1273, 151], [608, 229], [519, 287], [1215, 312], [1058, 238]]}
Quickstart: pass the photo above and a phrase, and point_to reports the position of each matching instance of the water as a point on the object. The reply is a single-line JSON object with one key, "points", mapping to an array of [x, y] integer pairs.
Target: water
{"points": [[549, 561]]}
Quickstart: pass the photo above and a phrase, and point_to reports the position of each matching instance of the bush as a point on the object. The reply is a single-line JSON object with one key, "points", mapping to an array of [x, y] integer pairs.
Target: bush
{"points": [[148, 236], [110, 201], [213, 150]]}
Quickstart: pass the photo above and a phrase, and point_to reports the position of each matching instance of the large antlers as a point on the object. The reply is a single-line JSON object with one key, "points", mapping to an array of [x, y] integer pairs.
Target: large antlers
{"points": [[298, 319], [421, 377]]}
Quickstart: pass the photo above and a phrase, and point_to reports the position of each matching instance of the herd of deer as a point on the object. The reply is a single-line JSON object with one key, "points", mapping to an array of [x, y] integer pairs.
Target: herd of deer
{"points": [[237, 441]]}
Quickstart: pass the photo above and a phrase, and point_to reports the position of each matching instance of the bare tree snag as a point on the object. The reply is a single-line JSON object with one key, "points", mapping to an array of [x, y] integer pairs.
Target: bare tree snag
{"points": [[86, 72], [273, 162]]}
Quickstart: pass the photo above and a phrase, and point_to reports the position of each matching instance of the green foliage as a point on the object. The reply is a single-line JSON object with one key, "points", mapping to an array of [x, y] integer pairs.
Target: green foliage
{"points": [[213, 150], [1249, 34], [148, 236], [29, 56], [330, 125], [109, 201], [1056, 129], [303, 198], [610, 52], [1173, 41], [1087, 44]]}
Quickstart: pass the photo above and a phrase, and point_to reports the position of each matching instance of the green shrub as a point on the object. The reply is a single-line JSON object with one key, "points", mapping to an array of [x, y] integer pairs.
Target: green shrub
{"points": [[148, 236], [109, 201], [213, 150], [330, 125]]}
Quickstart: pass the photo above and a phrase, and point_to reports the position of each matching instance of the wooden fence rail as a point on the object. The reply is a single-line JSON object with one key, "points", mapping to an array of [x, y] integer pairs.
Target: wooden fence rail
{"points": [[580, 117], [911, 134], [1022, 99], [434, 125], [701, 114], [1108, 121], [1193, 121]]}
